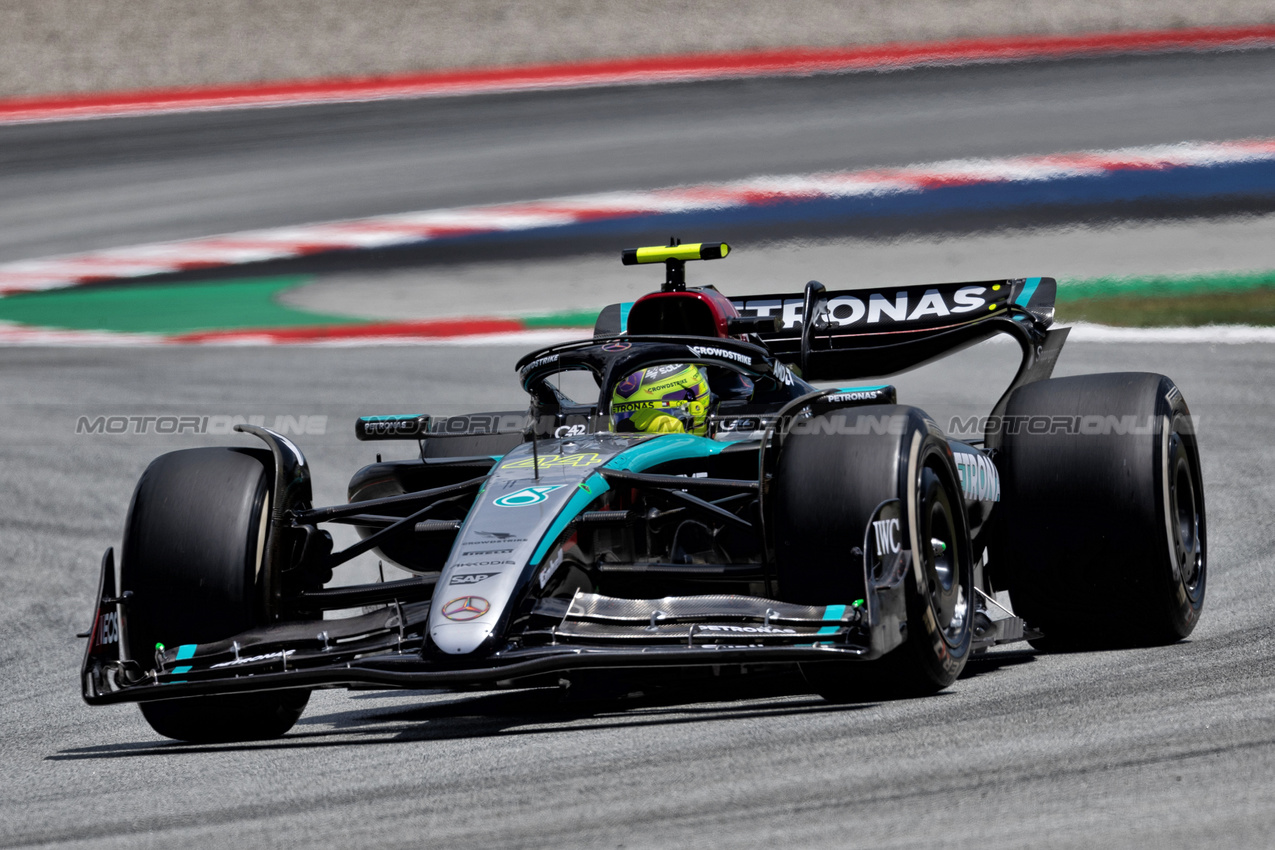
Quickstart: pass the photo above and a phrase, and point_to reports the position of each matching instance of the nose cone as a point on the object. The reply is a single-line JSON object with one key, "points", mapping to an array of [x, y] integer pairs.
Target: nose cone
{"points": [[459, 638]]}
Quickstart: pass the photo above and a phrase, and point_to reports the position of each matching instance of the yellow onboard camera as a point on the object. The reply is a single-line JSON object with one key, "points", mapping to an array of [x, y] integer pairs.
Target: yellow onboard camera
{"points": [[674, 257]]}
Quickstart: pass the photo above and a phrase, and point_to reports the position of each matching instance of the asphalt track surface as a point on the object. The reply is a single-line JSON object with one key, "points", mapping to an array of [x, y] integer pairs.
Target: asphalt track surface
{"points": [[1162, 747], [77, 186], [1166, 747]]}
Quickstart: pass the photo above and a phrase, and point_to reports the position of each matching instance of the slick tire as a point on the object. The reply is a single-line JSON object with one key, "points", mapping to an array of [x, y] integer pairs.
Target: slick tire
{"points": [[192, 558], [1101, 536], [826, 488]]}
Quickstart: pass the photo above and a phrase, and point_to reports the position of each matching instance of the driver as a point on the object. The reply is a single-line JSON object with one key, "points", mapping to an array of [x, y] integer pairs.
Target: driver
{"points": [[668, 399]]}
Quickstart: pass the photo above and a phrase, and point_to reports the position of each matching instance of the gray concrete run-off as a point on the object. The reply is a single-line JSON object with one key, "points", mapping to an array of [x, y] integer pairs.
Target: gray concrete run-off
{"points": [[589, 282], [1158, 748], [49, 46]]}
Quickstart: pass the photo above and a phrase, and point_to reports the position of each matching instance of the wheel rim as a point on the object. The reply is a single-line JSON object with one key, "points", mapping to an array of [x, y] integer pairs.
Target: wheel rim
{"points": [[1185, 516], [942, 548], [941, 560]]}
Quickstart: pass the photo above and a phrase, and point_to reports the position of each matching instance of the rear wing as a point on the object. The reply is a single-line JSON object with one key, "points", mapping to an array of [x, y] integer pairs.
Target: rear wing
{"points": [[866, 333], [849, 334], [859, 333], [870, 332], [856, 312]]}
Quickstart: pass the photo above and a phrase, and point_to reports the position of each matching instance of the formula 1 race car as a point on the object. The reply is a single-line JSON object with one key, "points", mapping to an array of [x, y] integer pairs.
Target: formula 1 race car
{"points": [[677, 496]]}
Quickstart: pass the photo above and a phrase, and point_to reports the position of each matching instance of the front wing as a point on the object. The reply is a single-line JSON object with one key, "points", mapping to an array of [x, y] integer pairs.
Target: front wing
{"points": [[386, 648]]}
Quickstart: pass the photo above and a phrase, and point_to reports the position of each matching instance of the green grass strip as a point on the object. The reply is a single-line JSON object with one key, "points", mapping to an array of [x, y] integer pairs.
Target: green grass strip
{"points": [[1163, 285], [166, 308], [1245, 298], [1183, 300], [568, 319], [1255, 307]]}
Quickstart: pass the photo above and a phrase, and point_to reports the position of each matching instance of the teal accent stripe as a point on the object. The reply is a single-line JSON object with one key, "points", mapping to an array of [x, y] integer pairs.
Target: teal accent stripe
{"points": [[644, 455], [579, 501], [832, 612], [662, 449], [186, 650], [1029, 289], [624, 316]]}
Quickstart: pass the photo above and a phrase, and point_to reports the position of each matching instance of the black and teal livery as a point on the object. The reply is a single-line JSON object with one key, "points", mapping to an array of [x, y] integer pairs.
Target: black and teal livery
{"points": [[812, 527]]}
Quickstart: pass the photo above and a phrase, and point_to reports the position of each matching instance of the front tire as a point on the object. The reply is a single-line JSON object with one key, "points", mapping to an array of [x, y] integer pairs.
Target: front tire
{"points": [[939, 589], [192, 557], [827, 486]]}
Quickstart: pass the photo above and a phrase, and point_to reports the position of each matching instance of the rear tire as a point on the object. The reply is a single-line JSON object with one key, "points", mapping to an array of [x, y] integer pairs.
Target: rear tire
{"points": [[1101, 537], [192, 556], [827, 487]]}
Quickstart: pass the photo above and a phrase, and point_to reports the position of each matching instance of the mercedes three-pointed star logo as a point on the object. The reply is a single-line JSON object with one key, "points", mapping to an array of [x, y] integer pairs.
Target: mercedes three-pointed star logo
{"points": [[466, 608]]}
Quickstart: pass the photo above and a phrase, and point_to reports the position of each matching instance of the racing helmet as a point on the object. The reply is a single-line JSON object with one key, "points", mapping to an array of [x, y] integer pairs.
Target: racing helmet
{"points": [[668, 399]]}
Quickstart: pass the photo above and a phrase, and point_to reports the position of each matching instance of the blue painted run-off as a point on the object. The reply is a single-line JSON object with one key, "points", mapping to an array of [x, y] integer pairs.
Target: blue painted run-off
{"points": [[1142, 190]]}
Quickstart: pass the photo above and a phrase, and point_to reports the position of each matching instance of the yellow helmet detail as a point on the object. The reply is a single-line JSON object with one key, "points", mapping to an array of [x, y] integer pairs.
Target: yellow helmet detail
{"points": [[672, 398]]}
